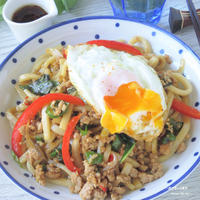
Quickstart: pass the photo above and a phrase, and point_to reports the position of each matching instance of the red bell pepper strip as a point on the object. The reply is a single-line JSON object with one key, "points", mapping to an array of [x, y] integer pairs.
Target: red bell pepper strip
{"points": [[111, 157], [32, 110], [103, 188], [185, 109], [66, 142], [115, 45], [64, 53]]}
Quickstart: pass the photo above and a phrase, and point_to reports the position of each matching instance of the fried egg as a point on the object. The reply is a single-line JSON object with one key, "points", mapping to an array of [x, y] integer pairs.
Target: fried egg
{"points": [[121, 87]]}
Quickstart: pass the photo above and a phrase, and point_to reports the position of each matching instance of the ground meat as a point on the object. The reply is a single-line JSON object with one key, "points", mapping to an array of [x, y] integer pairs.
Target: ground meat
{"points": [[77, 183], [165, 149], [33, 155], [39, 174], [117, 192], [146, 178], [88, 168], [168, 59], [53, 172], [90, 117], [89, 143], [134, 173], [99, 194], [125, 179], [165, 78], [181, 147], [110, 174], [86, 192], [143, 168]]}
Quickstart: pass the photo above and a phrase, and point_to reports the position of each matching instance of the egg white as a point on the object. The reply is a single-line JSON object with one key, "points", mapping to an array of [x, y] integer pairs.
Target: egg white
{"points": [[97, 71]]}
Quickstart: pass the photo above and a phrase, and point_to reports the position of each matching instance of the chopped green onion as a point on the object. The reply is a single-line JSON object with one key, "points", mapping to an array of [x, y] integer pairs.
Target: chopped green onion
{"points": [[50, 110], [16, 159], [83, 131], [93, 157]]}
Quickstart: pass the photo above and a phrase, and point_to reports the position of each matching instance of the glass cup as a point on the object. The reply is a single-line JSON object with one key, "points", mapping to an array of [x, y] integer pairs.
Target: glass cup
{"points": [[140, 10]]}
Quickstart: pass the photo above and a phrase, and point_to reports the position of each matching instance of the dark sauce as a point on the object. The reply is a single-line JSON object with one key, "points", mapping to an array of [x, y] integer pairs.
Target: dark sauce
{"points": [[28, 13]]}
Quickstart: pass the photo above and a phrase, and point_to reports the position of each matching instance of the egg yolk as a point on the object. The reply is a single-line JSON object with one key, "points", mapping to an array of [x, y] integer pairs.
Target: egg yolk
{"points": [[130, 99]]}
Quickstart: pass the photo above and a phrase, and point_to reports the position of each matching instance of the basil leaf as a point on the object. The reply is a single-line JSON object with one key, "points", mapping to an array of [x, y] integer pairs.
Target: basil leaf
{"points": [[98, 158], [41, 86], [116, 144], [168, 138], [129, 147]]}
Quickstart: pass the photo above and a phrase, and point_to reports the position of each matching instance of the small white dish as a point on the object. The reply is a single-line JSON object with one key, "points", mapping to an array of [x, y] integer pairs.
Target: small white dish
{"points": [[78, 31], [24, 30]]}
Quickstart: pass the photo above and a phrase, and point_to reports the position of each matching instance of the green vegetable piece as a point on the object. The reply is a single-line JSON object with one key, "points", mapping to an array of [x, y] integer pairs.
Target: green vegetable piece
{"points": [[93, 157], [41, 86], [16, 159], [168, 138], [59, 6], [176, 125], [44, 167], [50, 110], [172, 129], [116, 144], [71, 90], [129, 147], [125, 138], [54, 153], [83, 131], [57, 153], [39, 138]]}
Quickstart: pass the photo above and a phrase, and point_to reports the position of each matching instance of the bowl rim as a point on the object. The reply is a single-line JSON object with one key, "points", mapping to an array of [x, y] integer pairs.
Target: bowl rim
{"points": [[100, 18]]}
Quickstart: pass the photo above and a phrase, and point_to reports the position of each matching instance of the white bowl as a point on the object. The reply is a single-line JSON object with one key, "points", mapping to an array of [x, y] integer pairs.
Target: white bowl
{"points": [[24, 30], [81, 30]]}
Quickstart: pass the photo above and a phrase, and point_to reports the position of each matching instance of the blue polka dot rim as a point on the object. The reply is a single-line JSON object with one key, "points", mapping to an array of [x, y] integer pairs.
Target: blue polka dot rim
{"points": [[75, 27], [193, 139], [14, 60], [153, 33], [169, 181], [162, 51], [5, 162], [3, 114], [40, 40], [97, 36], [13, 81], [176, 167], [117, 24], [33, 59], [7, 146]]}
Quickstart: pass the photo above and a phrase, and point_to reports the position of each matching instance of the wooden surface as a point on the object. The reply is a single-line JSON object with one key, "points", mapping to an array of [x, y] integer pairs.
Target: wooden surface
{"points": [[189, 188]]}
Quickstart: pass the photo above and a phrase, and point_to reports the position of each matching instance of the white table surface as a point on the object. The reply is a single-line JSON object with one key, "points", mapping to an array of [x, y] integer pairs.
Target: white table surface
{"points": [[189, 188]]}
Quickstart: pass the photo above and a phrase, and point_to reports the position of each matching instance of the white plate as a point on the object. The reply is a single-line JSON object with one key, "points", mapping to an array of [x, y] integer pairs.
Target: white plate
{"points": [[81, 30]]}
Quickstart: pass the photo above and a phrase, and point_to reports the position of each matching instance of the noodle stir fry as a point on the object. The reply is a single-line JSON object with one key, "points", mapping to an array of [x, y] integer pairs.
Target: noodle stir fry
{"points": [[59, 137]]}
